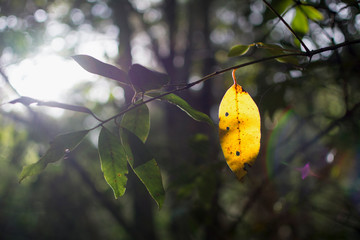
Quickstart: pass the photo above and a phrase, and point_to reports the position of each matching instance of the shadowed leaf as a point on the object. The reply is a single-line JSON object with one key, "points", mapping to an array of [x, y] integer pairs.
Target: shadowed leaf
{"points": [[113, 161], [24, 100], [274, 50], [137, 121], [28, 100], [95, 66], [144, 79], [144, 165], [61, 145]]}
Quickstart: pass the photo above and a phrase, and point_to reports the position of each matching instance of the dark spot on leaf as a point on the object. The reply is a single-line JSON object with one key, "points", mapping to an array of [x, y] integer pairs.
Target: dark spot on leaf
{"points": [[226, 114], [237, 153], [227, 128], [246, 166]]}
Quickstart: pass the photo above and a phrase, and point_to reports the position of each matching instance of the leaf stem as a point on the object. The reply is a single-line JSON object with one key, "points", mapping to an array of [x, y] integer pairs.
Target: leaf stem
{"points": [[234, 77]]}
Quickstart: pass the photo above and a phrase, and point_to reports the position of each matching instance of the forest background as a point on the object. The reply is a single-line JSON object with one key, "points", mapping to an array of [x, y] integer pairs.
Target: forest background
{"points": [[305, 183]]}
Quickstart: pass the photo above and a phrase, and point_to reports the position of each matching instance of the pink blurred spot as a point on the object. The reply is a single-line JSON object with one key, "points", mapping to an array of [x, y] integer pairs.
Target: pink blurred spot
{"points": [[305, 171]]}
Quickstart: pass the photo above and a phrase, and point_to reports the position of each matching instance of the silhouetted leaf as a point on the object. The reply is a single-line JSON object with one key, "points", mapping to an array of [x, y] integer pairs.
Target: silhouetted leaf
{"points": [[24, 100], [183, 105], [113, 161], [144, 165], [95, 66], [238, 50], [28, 100], [137, 121], [144, 79], [61, 145]]}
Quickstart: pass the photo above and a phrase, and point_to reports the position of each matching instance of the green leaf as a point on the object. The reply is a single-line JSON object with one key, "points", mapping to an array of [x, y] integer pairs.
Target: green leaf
{"points": [[95, 66], [300, 22], [183, 105], [312, 13], [282, 5], [291, 59], [274, 50], [137, 121], [238, 50], [113, 161], [144, 79], [61, 145], [144, 165]]}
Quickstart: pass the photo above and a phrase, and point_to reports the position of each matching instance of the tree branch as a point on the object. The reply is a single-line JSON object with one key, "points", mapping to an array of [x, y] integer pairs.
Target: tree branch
{"points": [[187, 86]]}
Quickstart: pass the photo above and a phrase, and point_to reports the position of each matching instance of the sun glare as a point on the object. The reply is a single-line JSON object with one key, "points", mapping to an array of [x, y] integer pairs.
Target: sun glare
{"points": [[47, 77]]}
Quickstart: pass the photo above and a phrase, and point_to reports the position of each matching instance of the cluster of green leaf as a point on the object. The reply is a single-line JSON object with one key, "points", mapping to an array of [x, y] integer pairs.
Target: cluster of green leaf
{"points": [[127, 145]]}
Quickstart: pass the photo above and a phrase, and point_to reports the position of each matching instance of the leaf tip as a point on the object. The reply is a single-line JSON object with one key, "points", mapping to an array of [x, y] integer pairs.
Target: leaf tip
{"points": [[238, 50]]}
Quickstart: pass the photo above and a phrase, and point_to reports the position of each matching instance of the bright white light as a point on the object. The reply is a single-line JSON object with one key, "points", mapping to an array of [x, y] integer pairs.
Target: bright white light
{"points": [[40, 15], [330, 156], [46, 77]]}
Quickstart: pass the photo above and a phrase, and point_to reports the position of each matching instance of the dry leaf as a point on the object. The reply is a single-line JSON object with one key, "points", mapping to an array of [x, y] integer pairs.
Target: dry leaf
{"points": [[239, 129]]}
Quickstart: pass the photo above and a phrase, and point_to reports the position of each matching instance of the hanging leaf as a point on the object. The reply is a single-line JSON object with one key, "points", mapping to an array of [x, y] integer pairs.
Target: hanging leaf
{"points": [[95, 66], [144, 79], [183, 105], [135, 127], [61, 145], [300, 22], [238, 50], [113, 161], [239, 129], [137, 121], [144, 165], [312, 13]]}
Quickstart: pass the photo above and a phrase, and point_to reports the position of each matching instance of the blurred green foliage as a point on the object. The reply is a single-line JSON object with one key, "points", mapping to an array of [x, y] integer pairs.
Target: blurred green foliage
{"points": [[310, 115]]}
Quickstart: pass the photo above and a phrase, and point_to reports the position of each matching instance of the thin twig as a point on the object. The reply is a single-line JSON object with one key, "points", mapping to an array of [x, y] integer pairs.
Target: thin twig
{"points": [[287, 25], [278, 20]]}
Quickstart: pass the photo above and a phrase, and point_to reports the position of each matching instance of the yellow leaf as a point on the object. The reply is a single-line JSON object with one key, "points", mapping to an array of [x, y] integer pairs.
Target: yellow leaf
{"points": [[239, 129]]}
